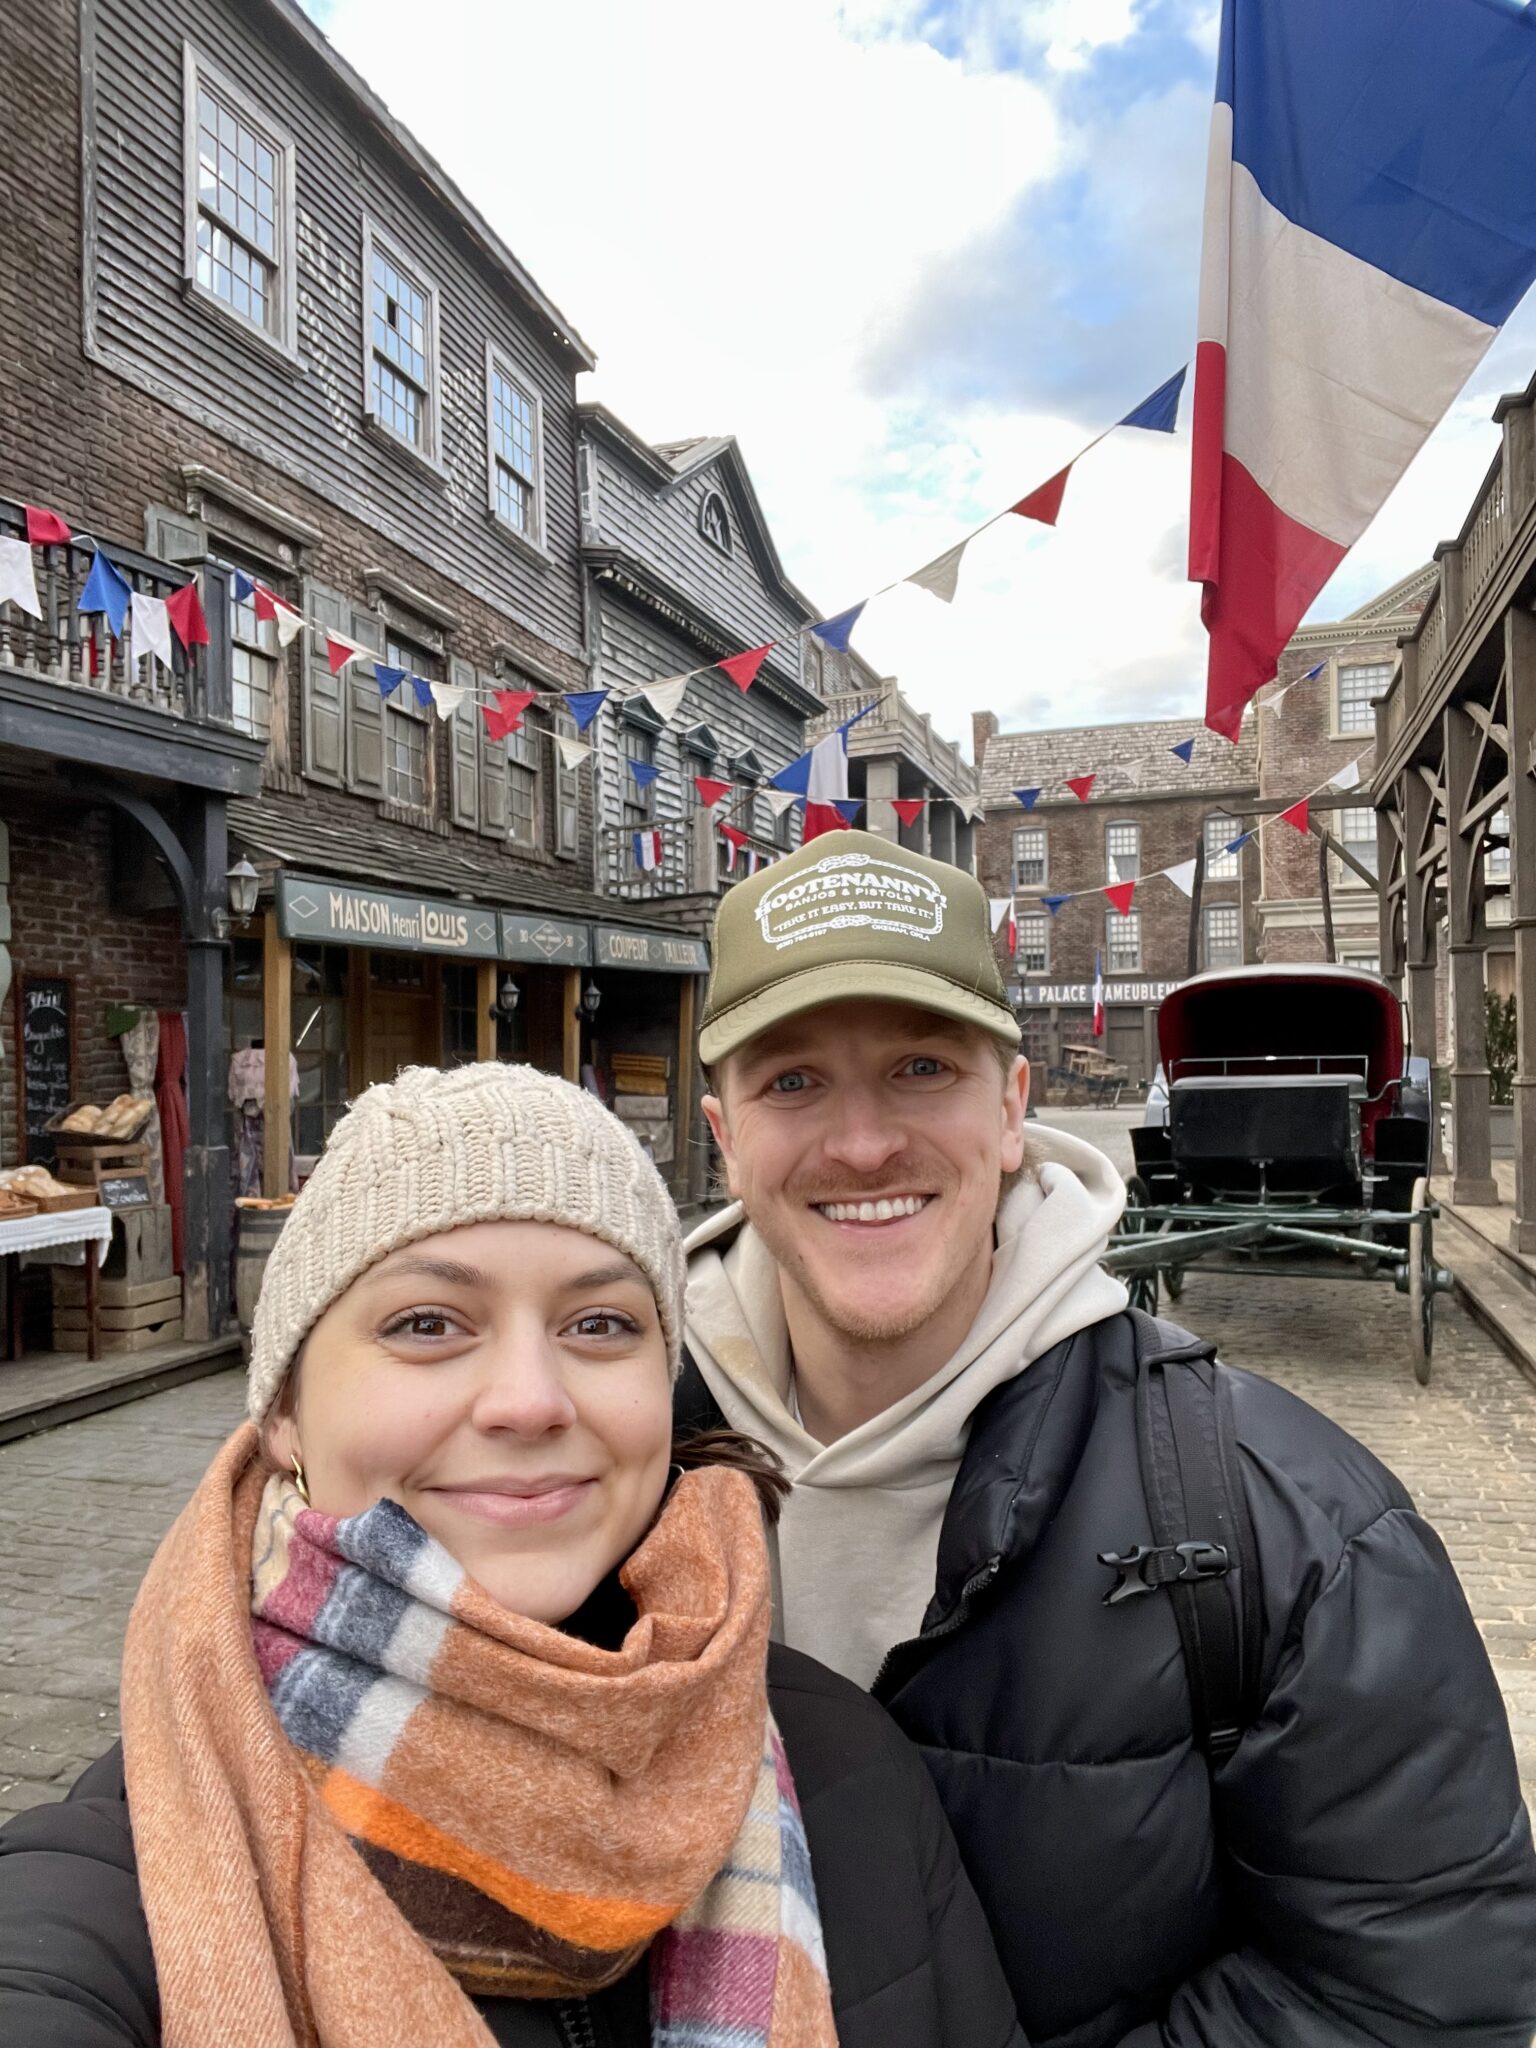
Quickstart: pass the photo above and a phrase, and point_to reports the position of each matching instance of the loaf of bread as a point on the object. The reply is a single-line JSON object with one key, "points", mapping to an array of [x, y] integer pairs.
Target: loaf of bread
{"points": [[85, 1118]]}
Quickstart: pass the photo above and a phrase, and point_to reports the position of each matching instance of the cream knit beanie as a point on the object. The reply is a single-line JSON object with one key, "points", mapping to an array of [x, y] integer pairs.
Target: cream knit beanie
{"points": [[433, 1149]]}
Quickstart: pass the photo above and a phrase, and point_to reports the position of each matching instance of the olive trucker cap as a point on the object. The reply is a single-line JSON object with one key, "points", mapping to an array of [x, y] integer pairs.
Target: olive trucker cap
{"points": [[850, 916]]}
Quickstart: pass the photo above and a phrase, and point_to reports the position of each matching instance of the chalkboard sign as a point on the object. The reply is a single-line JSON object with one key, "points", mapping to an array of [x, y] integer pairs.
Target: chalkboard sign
{"points": [[46, 1033], [123, 1191]]}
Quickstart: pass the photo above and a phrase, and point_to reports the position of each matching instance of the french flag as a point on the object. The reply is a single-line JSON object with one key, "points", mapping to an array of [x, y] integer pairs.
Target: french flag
{"points": [[648, 849], [820, 776], [1098, 995], [1368, 228]]}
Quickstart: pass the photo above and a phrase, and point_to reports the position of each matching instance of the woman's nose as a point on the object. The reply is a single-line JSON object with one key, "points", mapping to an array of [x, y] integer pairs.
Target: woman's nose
{"points": [[524, 1391]]}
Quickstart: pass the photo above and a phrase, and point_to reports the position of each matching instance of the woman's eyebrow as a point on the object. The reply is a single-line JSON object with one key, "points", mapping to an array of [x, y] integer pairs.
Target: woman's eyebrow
{"points": [[450, 1271], [605, 1276]]}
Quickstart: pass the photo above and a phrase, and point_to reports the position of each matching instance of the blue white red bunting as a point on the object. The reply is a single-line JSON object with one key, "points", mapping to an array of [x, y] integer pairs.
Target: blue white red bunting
{"points": [[388, 679], [1185, 749], [106, 591], [1054, 903], [151, 626], [834, 632], [644, 772], [1159, 412], [584, 705], [647, 846], [243, 586], [18, 579], [1028, 797]]}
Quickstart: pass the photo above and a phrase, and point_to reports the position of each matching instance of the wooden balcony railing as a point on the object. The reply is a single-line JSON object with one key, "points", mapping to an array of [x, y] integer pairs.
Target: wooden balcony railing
{"points": [[78, 649], [621, 876], [1487, 530]]}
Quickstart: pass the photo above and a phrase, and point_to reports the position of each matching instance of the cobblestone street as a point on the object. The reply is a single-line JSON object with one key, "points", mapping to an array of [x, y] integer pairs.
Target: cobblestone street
{"points": [[82, 1508]]}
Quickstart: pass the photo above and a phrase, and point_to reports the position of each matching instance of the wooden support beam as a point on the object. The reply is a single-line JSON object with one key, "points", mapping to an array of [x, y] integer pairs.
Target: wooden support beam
{"points": [[1520, 670], [277, 1033], [570, 1026], [1197, 889], [1474, 1184], [1325, 893], [686, 1111], [485, 1010]]}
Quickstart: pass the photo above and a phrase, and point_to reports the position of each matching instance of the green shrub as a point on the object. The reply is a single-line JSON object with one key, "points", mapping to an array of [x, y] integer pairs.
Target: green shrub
{"points": [[1501, 1047]]}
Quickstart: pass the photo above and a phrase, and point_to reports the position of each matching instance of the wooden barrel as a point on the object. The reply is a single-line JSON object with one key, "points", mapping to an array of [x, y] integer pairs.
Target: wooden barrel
{"points": [[258, 1232]]}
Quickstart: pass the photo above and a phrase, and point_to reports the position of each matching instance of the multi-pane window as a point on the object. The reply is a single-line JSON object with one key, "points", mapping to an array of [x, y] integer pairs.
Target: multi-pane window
{"points": [[407, 727], [714, 522], [255, 664], [1356, 830], [1030, 866], [461, 1013], [1124, 942], [1122, 844], [1496, 851], [1223, 936], [401, 371], [1369, 962], [639, 797], [1035, 943], [240, 177], [1359, 683], [514, 423], [319, 1030], [1221, 865], [523, 784]]}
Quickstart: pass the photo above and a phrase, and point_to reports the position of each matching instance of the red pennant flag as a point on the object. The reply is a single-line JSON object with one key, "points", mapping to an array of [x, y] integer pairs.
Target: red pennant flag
{"points": [[742, 668], [1120, 895], [734, 834], [1296, 815], [710, 790], [1081, 786], [497, 723], [265, 603], [339, 652], [184, 609], [45, 528], [908, 808], [512, 704], [1045, 503]]}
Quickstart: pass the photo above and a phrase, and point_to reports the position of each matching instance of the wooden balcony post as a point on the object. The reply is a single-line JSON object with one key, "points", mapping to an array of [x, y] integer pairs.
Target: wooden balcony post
{"points": [[277, 1030], [1519, 454], [570, 1026], [685, 1109], [485, 1003], [1474, 1184], [1410, 654], [1419, 945], [1452, 589], [1520, 671]]}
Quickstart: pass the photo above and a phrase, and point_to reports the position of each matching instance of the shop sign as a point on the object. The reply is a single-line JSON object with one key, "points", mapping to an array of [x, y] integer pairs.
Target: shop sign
{"points": [[616, 945], [1036, 993], [339, 915], [526, 935]]}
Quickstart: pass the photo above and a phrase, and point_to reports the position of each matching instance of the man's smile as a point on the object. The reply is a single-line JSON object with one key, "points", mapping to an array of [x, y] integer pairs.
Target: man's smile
{"points": [[879, 1209]]}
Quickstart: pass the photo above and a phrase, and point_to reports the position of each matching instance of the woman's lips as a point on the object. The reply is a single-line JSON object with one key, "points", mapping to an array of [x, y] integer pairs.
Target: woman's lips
{"points": [[517, 1510]]}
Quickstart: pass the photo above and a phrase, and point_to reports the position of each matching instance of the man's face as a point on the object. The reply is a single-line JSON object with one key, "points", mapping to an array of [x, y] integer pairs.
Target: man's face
{"points": [[868, 1143]]}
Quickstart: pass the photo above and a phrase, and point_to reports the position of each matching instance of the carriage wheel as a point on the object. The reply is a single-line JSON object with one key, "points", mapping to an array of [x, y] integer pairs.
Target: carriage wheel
{"points": [[1173, 1276], [1421, 1282], [1142, 1285]]}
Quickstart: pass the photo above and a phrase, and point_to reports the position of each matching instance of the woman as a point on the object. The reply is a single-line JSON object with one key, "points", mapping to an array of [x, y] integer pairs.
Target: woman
{"points": [[443, 1703]]}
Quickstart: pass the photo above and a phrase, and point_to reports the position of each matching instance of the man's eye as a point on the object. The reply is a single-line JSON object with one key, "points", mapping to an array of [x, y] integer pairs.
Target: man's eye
{"points": [[925, 1064], [787, 1084]]}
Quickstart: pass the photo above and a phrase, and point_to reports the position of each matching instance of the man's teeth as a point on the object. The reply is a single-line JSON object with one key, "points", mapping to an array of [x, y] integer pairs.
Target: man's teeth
{"points": [[873, 1212]]}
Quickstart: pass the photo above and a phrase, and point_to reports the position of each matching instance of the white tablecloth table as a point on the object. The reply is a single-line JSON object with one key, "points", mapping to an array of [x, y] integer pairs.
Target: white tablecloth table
{"points": [[90, 1227]]}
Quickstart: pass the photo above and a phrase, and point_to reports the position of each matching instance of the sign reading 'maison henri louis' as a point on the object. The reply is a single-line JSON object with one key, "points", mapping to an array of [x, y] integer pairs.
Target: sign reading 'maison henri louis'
{"points": [[341, 915]]}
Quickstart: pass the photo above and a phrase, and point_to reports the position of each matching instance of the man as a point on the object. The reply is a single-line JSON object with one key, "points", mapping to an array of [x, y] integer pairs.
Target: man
{"points": [[906, 1304]]}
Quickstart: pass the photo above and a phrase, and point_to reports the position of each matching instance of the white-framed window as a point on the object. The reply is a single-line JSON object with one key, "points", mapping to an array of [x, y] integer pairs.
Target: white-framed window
{"points": [[639, 798], [1122, 847], [1034, 943], [1355, 829], [408, 725], [1220, 865], [1371, 961], [714, 522], [239, 167], [1123, 941], [523, 805], [1359, 682], [1496, 851], [399, 343], [1223, 935], [515, 448], [1031, 863]]}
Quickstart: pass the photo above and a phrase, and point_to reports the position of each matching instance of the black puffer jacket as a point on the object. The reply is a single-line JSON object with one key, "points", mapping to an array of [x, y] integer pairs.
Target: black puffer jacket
{"points": [[1360, 1874], [910, 1960]]}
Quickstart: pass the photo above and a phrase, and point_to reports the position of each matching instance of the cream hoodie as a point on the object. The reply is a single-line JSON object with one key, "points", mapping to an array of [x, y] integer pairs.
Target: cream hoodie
{"points": [[858, 1541]]}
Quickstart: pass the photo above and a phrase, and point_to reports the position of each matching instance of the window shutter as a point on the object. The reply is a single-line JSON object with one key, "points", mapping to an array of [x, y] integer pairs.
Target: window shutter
{"points": [[365, 709], [464, 739], [174, 536], [324, 705], [493, 783], [567, 799]]}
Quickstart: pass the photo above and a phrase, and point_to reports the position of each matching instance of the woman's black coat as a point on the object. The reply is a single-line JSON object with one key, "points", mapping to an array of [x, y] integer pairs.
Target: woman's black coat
{"points": [[911, 1962]]}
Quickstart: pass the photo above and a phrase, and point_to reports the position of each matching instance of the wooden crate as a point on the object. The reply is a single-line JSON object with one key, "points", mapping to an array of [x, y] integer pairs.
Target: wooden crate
{"points": [[116, 1174], [146, 1315], [58, 1205], [69, 1290], [141, 1244], [120, 1340]]}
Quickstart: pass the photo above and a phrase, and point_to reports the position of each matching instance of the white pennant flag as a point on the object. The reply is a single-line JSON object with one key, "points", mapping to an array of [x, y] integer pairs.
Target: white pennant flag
{"points": [[151, 625], [942, 574], [447, 697], [664, 698], [1000, 907], [18, 581], [1348, 776], [970, 808], [1182, 876], [572, 752], [1274, 703], [779, 800], [288, 621]]}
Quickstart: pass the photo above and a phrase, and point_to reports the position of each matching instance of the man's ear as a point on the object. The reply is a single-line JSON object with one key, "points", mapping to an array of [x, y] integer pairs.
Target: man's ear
{"points": [[714, 1111], [1015, 1102]]}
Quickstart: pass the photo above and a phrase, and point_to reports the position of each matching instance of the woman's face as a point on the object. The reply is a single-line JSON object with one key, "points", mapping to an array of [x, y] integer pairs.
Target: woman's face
{"points": [[507, 1384]]}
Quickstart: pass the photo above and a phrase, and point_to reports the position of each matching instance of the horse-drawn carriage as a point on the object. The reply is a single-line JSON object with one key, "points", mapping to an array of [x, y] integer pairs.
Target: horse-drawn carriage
{"points": [[1297, 1140]]}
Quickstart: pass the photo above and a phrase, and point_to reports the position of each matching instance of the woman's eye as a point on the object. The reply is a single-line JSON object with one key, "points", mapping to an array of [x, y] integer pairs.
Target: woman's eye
{"points": [[603, 1323], [424, 1323]]}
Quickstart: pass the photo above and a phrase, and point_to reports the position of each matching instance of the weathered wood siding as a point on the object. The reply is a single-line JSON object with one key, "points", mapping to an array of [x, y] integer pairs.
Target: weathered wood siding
{"points": [[308, 419]]}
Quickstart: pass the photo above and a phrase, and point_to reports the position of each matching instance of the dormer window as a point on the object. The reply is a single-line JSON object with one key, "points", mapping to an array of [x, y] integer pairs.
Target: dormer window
{"points": [[714, 522]]}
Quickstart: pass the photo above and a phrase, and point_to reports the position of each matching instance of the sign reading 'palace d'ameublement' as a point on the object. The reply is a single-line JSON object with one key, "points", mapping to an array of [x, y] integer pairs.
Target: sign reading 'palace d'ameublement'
{"points": [[1036, 993], [340, 915]]}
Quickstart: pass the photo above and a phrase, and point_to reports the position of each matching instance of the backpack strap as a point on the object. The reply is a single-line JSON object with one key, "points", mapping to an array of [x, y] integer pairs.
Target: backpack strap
{"points": [[1204, 1548], [694, 1407]]}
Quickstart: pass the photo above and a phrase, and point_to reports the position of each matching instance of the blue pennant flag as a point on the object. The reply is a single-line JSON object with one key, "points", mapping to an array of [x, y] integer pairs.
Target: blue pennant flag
{"points": [[242, 585], [584, 705], [797, 776], [106, 590], [1233, 845], [1028, 797], [423, 691], [389, 679], [1054, 903], [644, 772], [834, 632], [1313, 673], [848, 808], [1160, 412], [1184, 749]]}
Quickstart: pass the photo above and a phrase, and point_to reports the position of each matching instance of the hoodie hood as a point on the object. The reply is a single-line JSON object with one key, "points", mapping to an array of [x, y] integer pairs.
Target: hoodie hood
{"points": [[875, 1499]]}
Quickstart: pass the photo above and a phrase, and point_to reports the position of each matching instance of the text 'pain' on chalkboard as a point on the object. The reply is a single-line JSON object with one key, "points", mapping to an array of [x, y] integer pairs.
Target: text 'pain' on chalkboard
{"points": [[47, 1037]]}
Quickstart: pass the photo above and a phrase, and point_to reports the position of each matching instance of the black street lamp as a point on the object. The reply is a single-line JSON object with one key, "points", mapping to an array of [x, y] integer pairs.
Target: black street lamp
{"points": [[508, 996], [591, 1001]]}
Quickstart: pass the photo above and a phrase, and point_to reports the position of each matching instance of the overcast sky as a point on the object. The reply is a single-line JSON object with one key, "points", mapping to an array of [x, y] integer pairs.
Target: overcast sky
{"points": [[913, 257]]}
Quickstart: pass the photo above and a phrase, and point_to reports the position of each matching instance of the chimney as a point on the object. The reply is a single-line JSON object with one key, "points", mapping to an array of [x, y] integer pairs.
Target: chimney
{"points": [[983, 728]]}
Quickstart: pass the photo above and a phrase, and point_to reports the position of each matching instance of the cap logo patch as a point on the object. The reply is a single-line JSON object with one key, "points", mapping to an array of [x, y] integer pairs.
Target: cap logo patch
{"points": [[849, 889]]}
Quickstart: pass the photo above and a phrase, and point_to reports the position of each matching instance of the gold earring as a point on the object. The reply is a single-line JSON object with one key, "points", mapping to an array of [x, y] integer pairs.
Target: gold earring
{"points": [[298, 1477]]}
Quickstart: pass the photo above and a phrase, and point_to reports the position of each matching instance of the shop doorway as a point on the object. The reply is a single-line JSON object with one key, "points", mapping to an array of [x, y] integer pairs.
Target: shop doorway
{"points": [[401, 1026]]}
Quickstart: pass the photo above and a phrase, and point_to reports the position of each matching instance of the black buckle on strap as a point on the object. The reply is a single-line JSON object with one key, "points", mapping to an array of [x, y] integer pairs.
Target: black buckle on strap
{"points": [[1151, 1566]]}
